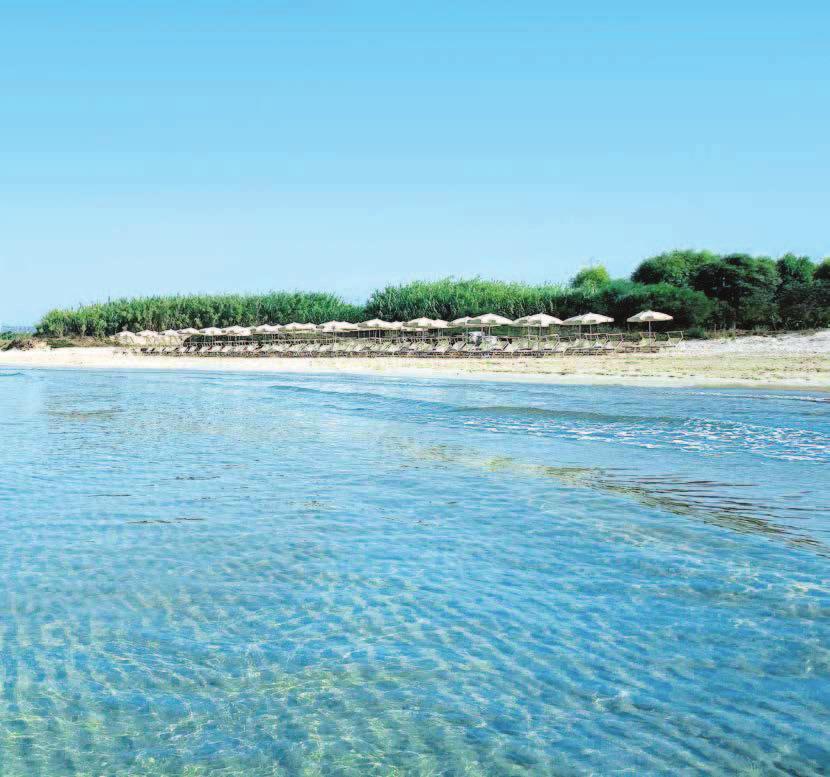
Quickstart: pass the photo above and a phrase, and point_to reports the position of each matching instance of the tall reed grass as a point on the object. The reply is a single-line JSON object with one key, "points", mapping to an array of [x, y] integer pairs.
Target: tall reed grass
{"points": [[177, 312]]}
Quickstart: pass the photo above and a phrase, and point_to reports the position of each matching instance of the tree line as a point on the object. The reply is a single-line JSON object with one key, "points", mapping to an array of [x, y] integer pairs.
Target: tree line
{"points": [[699, 288]]}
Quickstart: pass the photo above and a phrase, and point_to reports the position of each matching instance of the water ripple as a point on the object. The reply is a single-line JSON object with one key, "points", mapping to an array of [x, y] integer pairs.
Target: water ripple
{"points": [[206, 574]]}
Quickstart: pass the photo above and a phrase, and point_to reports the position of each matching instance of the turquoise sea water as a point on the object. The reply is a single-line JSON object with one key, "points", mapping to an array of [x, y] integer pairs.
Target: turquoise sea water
{"points": [[267, 575]]}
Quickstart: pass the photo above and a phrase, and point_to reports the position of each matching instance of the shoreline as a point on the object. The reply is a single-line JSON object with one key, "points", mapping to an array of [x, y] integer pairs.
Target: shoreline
{"points": [[699, 367]]}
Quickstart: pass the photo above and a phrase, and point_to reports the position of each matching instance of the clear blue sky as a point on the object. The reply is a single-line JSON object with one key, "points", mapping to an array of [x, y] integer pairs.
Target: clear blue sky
{"points": [[217, 145]]}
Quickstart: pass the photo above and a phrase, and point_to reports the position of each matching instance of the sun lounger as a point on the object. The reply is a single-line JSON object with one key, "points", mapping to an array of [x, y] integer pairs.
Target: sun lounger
{"points": [[635, 346]]}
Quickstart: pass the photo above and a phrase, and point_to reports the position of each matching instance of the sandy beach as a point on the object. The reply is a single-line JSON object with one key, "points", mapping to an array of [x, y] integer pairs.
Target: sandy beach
{"points": [[785, 361]]}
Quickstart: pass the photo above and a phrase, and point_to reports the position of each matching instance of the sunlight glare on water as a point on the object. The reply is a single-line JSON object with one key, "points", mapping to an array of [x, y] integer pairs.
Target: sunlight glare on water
{"points": [[327, 575]]}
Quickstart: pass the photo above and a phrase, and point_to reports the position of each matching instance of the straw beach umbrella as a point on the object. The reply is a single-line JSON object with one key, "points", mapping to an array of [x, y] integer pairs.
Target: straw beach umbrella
{"points": [[126, 337], [295, 327], [490, 320], [648, 316], [171, 336], [424, 324], [146, 336], [337, 326], [211, 331], [420, 323], [189, 331], [375, 323], [587, 319], [540, 320], [461, 323]]}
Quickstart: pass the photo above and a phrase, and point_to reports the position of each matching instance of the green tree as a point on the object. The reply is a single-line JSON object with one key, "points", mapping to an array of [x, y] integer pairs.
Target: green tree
{"points": [[674, 267], [794, 269], [805, 305], [822, 272], [745, 284], [591, 278], [798, 305]]}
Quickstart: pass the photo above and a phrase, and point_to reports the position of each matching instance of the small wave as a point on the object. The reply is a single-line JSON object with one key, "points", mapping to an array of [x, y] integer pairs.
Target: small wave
{"points": [[10, 374], [793, 397], [544, 412]]}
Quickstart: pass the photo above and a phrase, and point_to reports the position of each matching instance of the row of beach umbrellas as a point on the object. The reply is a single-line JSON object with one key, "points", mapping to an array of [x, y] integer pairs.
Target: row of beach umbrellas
{"points": [[487, 320]]}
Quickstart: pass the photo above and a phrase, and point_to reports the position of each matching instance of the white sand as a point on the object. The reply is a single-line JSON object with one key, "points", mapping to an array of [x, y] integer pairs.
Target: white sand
{"points": [[785, 361]]}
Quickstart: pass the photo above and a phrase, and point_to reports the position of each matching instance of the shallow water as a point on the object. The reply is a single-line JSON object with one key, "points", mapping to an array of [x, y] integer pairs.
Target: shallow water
{"points": [[257, 575]]}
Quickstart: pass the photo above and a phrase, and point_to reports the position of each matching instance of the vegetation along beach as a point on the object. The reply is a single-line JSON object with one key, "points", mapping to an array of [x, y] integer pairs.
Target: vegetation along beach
{"points": [[735, 310]]}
